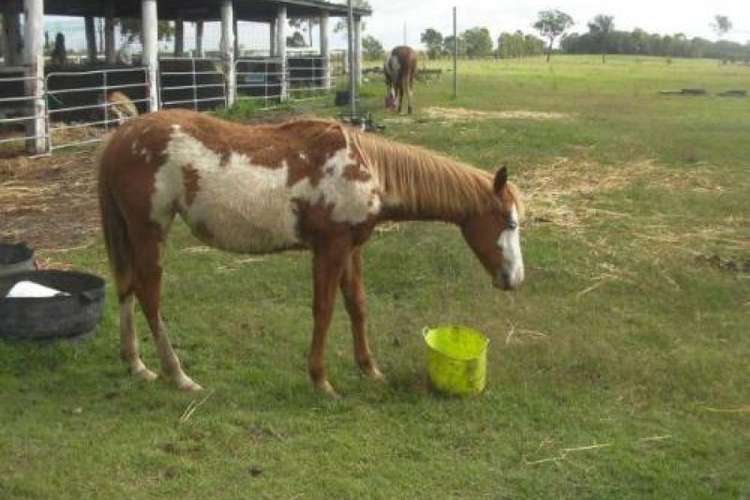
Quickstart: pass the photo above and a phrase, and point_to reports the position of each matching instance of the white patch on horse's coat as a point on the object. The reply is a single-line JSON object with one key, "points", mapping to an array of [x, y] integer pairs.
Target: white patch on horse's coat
{"points": [[247, 207], [303, 156], [509, 242], [352, 200]]}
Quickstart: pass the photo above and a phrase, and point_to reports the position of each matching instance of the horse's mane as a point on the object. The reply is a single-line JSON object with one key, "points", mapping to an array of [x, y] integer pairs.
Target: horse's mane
{"points": [[427, 182]]}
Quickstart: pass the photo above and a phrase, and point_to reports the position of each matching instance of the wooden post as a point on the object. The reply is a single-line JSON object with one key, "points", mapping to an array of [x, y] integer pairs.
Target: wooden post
{"points": [[325, 51], [199, 40], [36, 128], [110, 48], [179, 38], [358, 49], [150, 22], [12, 33], [281, 49], [90, 39], [227, 50], [272, 46]]}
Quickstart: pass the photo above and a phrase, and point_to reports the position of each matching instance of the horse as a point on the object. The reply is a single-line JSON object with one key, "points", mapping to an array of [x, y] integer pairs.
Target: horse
{"points": [[260, 189], [400, 69], [120, 106]]}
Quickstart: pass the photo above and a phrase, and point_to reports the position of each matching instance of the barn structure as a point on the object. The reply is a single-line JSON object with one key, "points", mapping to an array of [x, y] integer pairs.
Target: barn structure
{"points": [[35, 94]]}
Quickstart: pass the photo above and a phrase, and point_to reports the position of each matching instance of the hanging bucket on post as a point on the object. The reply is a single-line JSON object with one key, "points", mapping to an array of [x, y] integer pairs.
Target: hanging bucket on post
{"points": [[456, 359]]}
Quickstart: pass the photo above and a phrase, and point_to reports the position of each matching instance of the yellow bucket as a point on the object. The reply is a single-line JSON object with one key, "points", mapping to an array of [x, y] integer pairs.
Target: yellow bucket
{"points": [[456, 359]]}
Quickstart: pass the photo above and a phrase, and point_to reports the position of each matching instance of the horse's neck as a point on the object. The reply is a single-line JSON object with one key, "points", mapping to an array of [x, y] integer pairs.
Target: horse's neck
{"points": [[412, 190]]}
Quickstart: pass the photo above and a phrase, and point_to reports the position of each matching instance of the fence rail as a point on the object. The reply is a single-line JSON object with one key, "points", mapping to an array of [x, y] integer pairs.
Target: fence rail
{"points": [[77, 111], [195, 88], [22, 104], [88, 105]]}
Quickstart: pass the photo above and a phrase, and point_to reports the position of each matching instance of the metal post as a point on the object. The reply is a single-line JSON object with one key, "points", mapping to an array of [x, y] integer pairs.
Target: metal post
{"points": [[90, 39], [34, 59], [325, 51], [352, 68], [105, 101], [358, 49], [272, 45], [227, 50], [199, 40], [151, 51], [281, 48], [455, 54], [110, 49]]}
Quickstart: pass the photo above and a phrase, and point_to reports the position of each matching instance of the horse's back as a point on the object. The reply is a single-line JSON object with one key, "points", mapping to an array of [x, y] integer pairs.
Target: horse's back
{"points": [[238, 187]]}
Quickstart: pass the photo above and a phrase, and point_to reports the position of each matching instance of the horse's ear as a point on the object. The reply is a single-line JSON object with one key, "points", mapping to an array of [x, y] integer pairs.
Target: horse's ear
{"points": [[501, 177]]}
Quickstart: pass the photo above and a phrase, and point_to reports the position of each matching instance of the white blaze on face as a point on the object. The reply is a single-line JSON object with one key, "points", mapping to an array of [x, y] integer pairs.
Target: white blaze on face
{"points": [[510, 244]]}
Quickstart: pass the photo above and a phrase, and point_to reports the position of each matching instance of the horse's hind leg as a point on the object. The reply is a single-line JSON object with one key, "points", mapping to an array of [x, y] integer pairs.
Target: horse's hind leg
{"points": [[147, 284], [353, 290], [129, 341]]}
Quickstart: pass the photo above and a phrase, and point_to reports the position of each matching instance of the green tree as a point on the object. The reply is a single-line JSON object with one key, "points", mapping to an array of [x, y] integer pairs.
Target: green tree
{"points": [[372, 48], [132, 26], [551, 24], [721, 25], [600, 28], [449, 44], [297, 40], [305, 25], [433, 40], [478, 42], [340, 26]]}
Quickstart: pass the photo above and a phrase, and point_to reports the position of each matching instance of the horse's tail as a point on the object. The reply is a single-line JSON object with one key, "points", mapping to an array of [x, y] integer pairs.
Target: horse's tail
{"points": [[114, 227]]}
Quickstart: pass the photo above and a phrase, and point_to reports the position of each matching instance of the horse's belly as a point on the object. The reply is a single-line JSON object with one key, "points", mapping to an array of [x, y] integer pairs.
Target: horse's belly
{"points": [[242, 216]]}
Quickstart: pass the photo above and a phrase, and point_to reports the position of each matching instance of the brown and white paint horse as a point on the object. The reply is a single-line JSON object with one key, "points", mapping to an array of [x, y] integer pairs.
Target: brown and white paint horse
{"points": [[400, 69], [267, 188]]}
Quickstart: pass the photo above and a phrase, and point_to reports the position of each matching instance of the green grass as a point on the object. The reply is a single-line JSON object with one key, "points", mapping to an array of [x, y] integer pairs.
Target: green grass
{"points": [[638, 363]]}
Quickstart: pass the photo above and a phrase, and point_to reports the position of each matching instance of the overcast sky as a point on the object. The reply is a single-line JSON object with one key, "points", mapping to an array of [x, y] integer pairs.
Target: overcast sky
{"points": [[691, 17]]}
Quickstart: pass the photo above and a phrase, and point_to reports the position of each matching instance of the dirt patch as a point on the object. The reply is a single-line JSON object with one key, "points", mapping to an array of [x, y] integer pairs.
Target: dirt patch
{"points": [[463, 114], [49, 202]]}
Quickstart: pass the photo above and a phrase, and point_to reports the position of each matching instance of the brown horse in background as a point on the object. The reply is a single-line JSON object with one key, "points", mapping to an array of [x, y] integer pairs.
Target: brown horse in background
{"points": [[267, 188], [400, 69]]}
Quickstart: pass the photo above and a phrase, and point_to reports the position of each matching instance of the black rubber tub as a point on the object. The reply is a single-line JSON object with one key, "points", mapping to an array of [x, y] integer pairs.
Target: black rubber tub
{"points": [[15, 258], [60, 317]]}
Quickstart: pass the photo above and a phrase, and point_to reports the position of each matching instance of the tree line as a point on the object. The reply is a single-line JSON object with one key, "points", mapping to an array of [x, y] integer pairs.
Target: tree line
{"points": [[477, 42], [601, 38]]}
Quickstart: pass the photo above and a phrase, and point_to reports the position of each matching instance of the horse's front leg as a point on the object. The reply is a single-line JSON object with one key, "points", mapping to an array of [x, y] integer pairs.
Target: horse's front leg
{"points": [[353, 290], [328, 265]]}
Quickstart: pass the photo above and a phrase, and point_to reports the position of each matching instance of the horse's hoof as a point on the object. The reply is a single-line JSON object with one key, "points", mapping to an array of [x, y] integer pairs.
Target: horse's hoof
{"points": [[185, 383], [326, 388], [376, 376], [145, 374]]}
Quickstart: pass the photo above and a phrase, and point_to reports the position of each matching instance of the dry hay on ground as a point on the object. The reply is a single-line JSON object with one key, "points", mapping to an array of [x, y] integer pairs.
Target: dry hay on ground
{"points": [[49, 202], [463, 114]]}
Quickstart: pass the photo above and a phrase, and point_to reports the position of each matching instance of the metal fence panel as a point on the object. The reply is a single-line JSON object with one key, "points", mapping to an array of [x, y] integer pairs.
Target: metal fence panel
{"points": [[78, 107]]}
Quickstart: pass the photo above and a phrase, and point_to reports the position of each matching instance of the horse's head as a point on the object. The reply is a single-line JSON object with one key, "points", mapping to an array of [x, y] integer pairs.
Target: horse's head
{"points": [[494, 235]]}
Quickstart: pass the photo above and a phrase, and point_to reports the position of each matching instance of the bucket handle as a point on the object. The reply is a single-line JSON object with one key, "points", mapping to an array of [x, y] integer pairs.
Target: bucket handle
{"points": [[425, 331]]}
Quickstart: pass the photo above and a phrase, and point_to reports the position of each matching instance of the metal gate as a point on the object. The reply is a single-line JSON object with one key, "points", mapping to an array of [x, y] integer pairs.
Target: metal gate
{"points": [[17, 110], [79, 106], [191, 83]]}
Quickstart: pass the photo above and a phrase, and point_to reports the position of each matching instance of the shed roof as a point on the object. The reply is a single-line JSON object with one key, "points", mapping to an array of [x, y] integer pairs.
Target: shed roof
{"points": [[197, 10]]}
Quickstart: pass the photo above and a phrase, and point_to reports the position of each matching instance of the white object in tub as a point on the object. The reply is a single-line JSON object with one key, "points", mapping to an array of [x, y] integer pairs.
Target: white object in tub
{"points": [[29, 289]]}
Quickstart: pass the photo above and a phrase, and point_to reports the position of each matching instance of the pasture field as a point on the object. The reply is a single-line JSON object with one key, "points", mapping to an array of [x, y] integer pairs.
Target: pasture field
{"points": [[621, 369]]}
